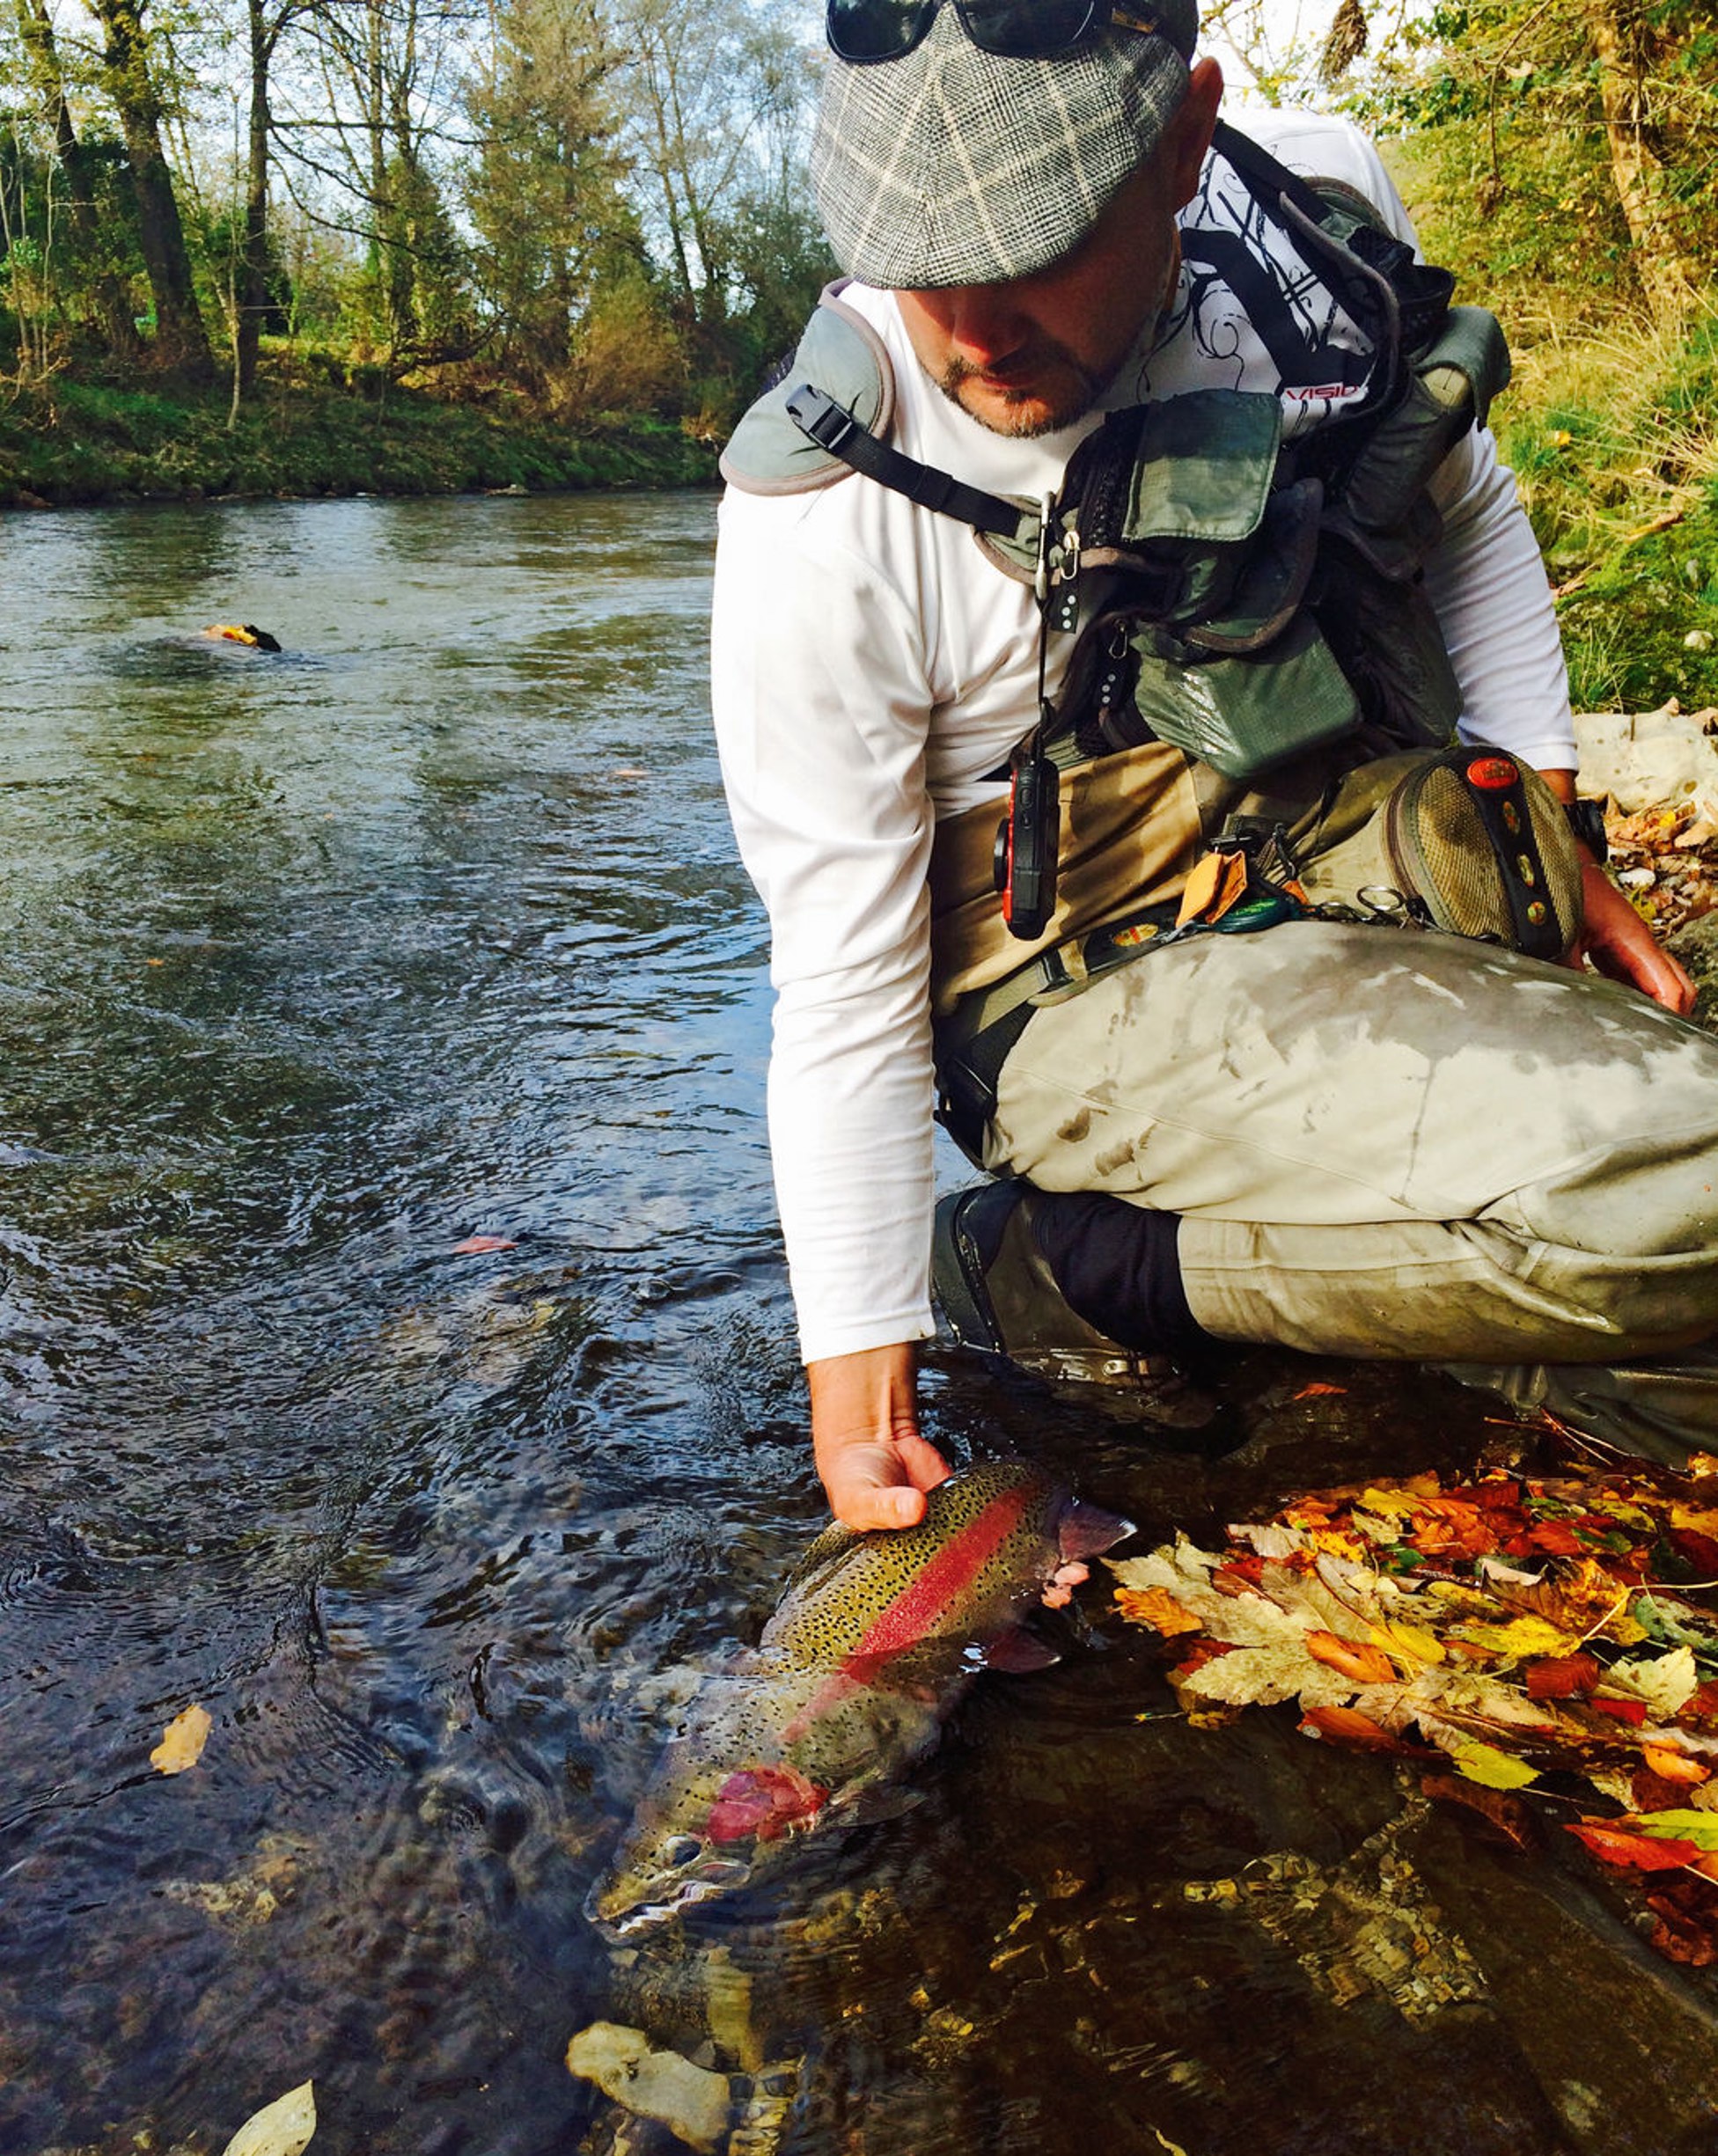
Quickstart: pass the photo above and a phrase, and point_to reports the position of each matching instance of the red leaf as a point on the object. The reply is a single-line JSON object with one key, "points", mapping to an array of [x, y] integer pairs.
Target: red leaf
{"points": [[1320, 1392], [1632, 1711], [1701, 1705], [474, 1245], [1554, 1538], [1562, 1676], [1699, 1549], [1640, 1852], [1241, 1575]]}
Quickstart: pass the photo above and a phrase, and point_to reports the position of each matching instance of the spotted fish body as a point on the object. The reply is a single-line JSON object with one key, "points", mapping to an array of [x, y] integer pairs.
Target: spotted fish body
{"points": [[874, 1641]]}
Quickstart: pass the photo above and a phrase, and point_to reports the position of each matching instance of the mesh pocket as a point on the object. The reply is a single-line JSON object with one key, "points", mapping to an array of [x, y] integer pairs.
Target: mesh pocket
{"points": [[1482, 843]]}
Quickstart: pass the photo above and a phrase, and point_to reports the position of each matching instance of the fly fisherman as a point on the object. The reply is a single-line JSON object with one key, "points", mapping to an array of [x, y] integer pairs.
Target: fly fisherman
{"points": [[1097, 598]]}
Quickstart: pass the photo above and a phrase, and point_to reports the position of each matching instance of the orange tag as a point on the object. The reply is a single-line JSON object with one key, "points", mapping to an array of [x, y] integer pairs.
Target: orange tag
{"points": [[1218, 880]]}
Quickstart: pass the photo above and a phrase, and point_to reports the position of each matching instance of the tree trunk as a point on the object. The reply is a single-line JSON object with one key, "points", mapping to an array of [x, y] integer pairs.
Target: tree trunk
{"points": [[253, 297], [1655, 225], [112, 304], [182, 341]]}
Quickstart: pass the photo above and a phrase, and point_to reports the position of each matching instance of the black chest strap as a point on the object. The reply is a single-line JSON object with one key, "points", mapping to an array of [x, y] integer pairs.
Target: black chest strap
{"points": [[833, 428]]}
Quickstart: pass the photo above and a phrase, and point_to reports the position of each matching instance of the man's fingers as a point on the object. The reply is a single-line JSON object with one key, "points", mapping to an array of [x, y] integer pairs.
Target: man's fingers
{"points": [[925, 1466], [864, 1505]]}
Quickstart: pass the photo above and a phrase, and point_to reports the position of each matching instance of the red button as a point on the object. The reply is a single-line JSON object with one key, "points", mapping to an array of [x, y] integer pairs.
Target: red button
{"points": [[1493, 772]]}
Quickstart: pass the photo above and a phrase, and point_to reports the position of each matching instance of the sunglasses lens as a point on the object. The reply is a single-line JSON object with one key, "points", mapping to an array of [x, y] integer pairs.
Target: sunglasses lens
{"points": [[863, 30], [1028, 29]]}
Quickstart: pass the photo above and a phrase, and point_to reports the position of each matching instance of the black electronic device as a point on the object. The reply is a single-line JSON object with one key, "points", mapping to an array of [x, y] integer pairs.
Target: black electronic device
{"points": [[1026, 843]]}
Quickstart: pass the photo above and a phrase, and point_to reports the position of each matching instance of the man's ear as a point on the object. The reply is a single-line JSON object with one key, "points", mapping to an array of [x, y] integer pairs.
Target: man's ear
{"points": [[1191, 130]]}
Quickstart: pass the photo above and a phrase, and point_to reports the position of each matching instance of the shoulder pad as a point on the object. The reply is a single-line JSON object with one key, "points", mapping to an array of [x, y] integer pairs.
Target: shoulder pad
{"points": [[845, 357]]}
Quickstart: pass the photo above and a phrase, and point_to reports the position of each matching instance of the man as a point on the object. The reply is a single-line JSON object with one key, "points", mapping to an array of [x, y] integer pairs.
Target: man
{"points": [[1346, 1138]]}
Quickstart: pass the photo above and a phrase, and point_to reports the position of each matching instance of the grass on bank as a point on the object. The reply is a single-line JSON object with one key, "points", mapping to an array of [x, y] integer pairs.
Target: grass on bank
{"points": [[1613, 437], [1613, 431], [71, 442]]}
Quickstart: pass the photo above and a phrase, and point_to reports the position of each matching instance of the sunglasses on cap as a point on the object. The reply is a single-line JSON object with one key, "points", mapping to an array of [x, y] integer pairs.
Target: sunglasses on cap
{"points": [[862, 31]]}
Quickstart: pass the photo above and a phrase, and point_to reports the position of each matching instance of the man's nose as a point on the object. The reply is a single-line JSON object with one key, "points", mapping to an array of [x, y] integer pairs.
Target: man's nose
{"points": [[982, 322]]}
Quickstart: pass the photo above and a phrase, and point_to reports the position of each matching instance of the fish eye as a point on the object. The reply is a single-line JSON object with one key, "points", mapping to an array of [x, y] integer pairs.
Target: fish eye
{"points": [[683, 1849]]}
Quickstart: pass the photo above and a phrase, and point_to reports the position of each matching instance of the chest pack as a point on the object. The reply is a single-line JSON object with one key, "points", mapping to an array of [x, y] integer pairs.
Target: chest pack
{"points": [[1239, 595]]}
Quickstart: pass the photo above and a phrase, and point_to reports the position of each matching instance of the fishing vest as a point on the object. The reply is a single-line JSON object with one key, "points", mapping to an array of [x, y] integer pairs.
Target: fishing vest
{"points": [[1248, 619]]}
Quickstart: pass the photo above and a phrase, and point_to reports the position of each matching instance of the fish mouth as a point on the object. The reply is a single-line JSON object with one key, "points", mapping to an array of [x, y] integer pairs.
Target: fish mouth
{"points": [[657, 1905]]}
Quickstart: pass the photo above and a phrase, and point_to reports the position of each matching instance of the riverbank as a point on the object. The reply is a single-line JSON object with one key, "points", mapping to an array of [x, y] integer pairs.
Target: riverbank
{"points": [[72, 443]]}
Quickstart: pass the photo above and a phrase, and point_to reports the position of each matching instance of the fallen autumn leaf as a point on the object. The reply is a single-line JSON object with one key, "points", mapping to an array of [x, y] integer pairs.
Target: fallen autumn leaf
{"points": [[283, 2128], [182, 1742]]}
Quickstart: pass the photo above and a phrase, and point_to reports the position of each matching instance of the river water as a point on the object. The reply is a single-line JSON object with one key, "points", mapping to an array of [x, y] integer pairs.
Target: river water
{"points": [[316, 967]]}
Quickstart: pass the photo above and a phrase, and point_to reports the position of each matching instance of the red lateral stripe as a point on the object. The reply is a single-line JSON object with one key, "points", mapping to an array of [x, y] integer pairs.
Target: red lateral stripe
{"points": [[955, 1566]]}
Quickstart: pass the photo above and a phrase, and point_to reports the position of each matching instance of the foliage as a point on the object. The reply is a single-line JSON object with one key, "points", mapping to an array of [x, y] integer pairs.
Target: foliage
{"points": [[1547, 1632], [1613, 437], [71, 442]]}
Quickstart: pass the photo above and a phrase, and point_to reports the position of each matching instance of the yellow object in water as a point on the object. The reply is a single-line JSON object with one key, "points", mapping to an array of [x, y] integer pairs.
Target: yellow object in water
{"points": [[246, 633]]}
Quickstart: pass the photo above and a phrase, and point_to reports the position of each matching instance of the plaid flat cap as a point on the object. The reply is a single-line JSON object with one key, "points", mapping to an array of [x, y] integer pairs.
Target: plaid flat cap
{"points": [[952, 165]]}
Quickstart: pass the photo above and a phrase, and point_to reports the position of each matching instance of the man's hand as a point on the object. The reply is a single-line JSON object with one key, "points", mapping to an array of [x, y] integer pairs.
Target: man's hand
{"points": [[1622, 948], [1614, 937], [874, 1465]]}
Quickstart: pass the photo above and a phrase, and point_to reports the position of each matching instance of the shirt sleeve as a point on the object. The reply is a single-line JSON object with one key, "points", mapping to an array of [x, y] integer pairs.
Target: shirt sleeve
{"points": [[821, 712]]}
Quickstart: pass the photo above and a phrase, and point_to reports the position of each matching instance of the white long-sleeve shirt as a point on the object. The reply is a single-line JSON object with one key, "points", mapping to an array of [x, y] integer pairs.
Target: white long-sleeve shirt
{"points": [[870, 667]]}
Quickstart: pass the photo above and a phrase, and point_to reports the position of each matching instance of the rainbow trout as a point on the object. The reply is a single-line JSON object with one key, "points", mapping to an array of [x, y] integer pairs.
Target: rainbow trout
{"points": [[876, 1639]]}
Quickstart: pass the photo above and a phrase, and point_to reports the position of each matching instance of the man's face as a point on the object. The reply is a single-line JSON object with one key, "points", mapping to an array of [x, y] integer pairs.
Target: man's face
{"points": [[1033, 354]]}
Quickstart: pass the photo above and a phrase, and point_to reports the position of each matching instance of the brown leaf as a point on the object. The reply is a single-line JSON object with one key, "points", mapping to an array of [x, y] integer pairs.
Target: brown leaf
{"points": [[477, 1245], [1687, 1913], [1349, 1726], [1512, 1816]]}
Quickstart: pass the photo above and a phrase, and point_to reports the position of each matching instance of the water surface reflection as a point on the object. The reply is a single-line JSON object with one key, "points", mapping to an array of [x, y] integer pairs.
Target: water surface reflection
{"points": [[316, 966]]}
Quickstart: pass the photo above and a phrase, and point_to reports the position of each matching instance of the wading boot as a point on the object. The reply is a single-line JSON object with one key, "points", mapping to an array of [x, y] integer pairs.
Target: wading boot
{"points": [[997, 1291]]}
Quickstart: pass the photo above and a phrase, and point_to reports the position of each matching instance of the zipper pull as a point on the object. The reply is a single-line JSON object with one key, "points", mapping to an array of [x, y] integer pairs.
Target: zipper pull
{"points": [[1047, 513]]}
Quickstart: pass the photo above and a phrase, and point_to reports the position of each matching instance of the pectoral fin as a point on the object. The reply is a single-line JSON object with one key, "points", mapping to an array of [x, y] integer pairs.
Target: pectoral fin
{"points": [[1018, 1653], [1088, 1531]]}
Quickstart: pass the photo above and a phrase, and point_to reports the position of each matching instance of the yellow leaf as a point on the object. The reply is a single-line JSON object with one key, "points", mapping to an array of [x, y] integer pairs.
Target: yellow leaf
{"points": [[283, 2128], [182, 1742], [1491, 1769], [1411, 1642], [1523, 1639], [1391, 1504]]}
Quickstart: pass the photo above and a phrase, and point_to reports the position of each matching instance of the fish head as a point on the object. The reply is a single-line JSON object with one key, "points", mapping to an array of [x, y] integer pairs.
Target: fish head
{"points": [[700, 1837]]}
